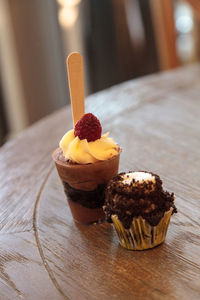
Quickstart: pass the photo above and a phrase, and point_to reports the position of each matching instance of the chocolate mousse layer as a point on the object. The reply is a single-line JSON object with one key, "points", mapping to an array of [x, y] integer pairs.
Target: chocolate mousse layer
{"points": [[127, 198], [84, 184], [90, 199]]}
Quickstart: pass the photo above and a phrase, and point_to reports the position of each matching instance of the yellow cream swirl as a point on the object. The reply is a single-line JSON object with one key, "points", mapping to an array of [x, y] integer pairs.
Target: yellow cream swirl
{"points": [[84, 152]]}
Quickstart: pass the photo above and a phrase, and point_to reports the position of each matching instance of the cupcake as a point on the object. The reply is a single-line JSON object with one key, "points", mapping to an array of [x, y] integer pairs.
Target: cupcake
{"points": [[86, 161], [139, 209]]}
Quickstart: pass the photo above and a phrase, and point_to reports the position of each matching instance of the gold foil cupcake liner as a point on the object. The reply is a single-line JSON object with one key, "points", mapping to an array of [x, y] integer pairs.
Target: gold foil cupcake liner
{"points": [[141, 235]]}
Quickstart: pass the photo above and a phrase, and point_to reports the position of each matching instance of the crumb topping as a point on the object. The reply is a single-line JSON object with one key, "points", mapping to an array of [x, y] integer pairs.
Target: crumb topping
{"points": [[130, 195]]}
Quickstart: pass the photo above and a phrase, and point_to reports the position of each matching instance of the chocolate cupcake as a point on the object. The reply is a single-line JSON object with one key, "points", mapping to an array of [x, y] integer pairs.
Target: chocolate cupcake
{"points": [[86, 161], [139, 209]]}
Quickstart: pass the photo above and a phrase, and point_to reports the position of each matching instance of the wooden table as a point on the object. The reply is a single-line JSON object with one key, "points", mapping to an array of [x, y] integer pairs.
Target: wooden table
{"points": [[45, 255]]}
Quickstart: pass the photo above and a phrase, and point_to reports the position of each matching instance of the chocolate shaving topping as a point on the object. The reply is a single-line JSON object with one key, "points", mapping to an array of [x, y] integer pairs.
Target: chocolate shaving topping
{"points": [[139, 198]]}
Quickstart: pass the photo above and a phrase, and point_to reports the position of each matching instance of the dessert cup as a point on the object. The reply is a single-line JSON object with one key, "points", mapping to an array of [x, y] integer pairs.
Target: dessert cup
{"points": [[84, 185]]}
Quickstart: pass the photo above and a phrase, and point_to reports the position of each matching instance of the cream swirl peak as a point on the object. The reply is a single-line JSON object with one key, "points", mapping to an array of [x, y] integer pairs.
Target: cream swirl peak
{"points": [[84, 144], [84, 152]]}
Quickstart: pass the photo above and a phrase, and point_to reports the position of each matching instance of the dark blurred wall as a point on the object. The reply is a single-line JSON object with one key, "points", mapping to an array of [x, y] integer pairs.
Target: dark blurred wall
{"points": [[40, 55], [114, 55], [3, 123]]}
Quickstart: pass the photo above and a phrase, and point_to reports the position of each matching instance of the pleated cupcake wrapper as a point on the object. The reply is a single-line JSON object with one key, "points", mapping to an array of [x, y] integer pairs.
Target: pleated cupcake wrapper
{"points": [[141, 235]]}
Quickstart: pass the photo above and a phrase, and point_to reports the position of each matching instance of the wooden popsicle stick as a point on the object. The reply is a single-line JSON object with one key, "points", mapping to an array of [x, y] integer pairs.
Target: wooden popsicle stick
{"points": [[76, 85]]}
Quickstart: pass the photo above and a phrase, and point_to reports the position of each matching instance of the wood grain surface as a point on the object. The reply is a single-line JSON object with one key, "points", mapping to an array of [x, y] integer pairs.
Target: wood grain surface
{"points": [[45, 255]]}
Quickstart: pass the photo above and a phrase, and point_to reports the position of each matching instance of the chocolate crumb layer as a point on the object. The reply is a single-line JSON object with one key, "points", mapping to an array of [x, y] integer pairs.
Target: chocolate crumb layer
{"points": [[145, 198], [89, 199]]}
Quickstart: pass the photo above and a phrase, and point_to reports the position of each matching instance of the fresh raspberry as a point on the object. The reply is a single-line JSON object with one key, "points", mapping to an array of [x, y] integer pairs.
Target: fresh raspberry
{"points": [[88, 127]]}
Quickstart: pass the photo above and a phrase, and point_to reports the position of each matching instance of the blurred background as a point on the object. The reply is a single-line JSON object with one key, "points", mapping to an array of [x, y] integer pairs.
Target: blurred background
{"points": [[119, 40]]}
